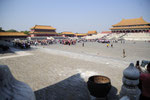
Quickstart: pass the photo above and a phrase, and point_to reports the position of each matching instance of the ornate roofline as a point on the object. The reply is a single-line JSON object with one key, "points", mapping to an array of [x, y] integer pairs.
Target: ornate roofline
{"points": [[43, 27], [91, 32], [70, 33], [135, 21], [12, 34], [135, 27]]}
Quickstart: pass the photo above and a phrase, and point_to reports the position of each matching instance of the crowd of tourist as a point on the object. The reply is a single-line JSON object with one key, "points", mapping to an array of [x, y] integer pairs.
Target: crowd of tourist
{"points": [[144, 85], [21, 44], [67, 42], [25, 44]]}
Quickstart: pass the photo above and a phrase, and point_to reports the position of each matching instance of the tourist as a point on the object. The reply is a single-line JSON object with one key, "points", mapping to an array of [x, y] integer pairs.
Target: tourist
{"points": [[112, 45], [145, 83], [137, 64], [107, 45], [69, 42], [124, 53], [83, 44], [35, 43]]}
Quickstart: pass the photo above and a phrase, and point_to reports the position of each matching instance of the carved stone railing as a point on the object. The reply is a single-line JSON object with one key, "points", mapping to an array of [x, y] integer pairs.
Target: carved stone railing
{"points": [[130, 81], [12, 89]]}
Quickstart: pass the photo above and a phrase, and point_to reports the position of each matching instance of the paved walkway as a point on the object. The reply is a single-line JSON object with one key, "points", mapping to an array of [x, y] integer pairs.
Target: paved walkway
{"points": [[64, 70], [17, 53]]}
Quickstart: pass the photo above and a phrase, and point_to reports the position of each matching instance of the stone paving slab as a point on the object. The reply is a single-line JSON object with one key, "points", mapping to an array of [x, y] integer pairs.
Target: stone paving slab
{"points": [[51, 66]]}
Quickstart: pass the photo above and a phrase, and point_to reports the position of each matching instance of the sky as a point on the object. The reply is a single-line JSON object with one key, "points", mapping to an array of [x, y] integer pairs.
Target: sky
{"points": [[78, 16]]}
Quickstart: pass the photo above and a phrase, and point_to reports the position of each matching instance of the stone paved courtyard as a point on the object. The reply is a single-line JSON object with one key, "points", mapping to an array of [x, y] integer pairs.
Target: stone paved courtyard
{"points": [[62, 67]]}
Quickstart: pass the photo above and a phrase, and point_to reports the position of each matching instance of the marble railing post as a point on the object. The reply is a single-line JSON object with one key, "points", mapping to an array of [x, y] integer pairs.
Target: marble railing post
{"points": [[130, 81], [12, 89]]}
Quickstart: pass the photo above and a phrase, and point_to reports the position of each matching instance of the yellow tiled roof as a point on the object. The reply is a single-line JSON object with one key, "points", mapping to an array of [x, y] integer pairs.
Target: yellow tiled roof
{"points": [[43, 32], [135, 27], [43, 27], [70, 33], [12, 34], [81, 34], [136, 21], [92, 32]]}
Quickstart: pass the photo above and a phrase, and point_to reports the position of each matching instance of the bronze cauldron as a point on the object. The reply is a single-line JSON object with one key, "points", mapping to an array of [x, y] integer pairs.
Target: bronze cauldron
{"points": [[99, 86]]}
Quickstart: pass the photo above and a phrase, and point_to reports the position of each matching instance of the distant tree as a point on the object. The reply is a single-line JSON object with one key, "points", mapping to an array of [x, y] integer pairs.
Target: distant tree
{"points": [[11, 30], [26, 32], [1, 30], [59, 33]]}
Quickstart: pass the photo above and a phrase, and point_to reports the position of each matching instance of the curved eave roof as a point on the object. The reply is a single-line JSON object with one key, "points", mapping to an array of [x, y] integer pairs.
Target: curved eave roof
{"points": [[43, 27], [43, 33], [12, 34], [136, 27], [136, 21], [68, 33], [92, 32], [80, 34]]}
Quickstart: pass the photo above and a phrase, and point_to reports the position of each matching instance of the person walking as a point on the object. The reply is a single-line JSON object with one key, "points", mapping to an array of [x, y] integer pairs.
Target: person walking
{"points": [[124, 53], [112, 45], [83, 44], [107, 45]]}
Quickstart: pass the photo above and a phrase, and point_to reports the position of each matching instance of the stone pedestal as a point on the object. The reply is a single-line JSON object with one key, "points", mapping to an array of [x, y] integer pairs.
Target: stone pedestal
{"points": [[12, 89], [130, 81]]}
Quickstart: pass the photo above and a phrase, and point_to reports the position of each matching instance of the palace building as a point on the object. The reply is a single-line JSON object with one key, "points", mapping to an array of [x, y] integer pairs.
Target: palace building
{"points": [[42, 30], [12, 35], [80, 35], [68, 34], [90, 33], [131, 26]]}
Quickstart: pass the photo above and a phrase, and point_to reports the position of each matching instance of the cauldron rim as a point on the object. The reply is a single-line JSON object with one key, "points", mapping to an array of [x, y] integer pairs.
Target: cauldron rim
{"points": [[90, 79]]}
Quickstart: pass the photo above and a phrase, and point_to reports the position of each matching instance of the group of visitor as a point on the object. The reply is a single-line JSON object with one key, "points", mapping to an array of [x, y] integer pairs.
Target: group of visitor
{"points": [[67, 42], [26, 43], [144, 81], [42, 42], [21, 44]]}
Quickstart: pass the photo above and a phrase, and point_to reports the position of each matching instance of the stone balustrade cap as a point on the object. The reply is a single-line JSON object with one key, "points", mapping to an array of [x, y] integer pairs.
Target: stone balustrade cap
{"points": [[131, 72]]}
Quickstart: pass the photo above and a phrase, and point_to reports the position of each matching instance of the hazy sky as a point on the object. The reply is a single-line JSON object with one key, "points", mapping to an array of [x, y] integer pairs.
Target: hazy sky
{"points": [[70, 15]]}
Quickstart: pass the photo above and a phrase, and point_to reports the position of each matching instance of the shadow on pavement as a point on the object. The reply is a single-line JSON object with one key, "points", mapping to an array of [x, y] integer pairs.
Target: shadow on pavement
{"points": [[112, 95], [72, 88]]}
